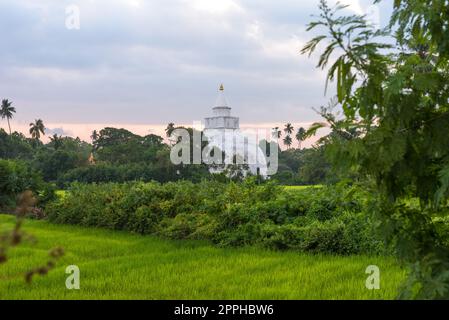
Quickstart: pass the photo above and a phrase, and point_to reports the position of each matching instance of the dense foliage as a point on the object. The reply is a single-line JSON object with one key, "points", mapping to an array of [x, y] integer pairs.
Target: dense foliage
{"points": [[15, 146], [118, 155], [17, 177], [395, 103], [327, 219], [305, 167]]}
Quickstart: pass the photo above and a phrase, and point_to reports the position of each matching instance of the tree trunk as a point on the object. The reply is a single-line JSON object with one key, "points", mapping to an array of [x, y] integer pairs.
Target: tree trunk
{"points": [[9, 126]]}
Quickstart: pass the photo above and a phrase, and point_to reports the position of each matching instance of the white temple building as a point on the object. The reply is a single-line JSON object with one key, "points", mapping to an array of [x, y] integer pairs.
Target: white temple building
{"points": [[221, 118], [223, 132]]}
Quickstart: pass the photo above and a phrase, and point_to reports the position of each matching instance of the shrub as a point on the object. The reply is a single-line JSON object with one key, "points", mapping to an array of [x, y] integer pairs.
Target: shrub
{"points": [[188, 226], [327, 219], [145, 220], [325, 237], [282, 237], [16, 177]]}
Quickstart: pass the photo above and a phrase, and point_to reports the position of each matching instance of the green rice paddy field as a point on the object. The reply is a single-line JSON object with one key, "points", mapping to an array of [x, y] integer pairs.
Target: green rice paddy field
{"points": [[118, 265]]}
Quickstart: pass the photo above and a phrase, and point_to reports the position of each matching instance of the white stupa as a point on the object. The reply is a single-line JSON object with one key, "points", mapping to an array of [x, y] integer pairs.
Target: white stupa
{"points": [[221, 115], [223, 132]]}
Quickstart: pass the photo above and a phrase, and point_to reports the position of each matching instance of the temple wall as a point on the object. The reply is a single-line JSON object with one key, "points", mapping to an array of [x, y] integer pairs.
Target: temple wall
{"points": [[222, 123]]}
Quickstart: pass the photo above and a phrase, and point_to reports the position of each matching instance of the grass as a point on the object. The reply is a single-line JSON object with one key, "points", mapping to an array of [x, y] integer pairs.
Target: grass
{"points": [[118, 265], [61, 193], [299, 188]]}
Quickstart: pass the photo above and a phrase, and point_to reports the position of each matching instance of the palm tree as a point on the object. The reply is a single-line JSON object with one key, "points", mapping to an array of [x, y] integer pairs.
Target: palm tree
{"points": [[300, 136], [276, 133], [6, 111], [169, 130], [57, 141], [288, 141], [94, 136], [37, 128], [288, 129]]}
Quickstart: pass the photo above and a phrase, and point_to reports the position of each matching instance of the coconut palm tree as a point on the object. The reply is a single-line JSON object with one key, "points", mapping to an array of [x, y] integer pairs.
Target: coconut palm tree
{"points": [[6, 111], [94, 136], [37, 128], [288, 129], [169, 130], [288, 141], [56, 141], [300, 136]]}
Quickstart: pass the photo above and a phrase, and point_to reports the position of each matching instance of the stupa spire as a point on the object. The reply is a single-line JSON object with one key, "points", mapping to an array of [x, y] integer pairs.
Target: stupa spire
{"points": [[221, 118], [221, 100]]}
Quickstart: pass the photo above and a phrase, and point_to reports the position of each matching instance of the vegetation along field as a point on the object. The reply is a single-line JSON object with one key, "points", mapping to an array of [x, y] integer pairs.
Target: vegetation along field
{"points": [[119, 265]]}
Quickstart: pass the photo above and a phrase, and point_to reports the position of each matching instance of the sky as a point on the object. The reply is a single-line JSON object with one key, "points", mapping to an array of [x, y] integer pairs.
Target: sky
{"points": [[141, 64]]}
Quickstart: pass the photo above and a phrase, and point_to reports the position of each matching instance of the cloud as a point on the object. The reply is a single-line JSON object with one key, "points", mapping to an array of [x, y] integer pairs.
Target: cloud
{"points": [[158, 61], [58, 131], [215, 7]]}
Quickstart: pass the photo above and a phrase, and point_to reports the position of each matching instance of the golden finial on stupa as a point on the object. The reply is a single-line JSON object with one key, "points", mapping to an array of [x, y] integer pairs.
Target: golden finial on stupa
{"points": [[221, 87]]}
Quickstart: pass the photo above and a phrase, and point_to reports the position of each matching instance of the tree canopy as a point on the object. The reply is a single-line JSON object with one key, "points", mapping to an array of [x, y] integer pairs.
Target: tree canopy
{"points": [[396, 99]]}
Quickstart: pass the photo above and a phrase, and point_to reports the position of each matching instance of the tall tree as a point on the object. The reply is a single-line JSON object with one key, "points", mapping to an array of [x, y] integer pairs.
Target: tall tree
{"points": [[169, 130], [395, 106], [94, 136], [300, 136], [56, 141], [6, 111], [288, 141], [288, 129], [37, 128]]}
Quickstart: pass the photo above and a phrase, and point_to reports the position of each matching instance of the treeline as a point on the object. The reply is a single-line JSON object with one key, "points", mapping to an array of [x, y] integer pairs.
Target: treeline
{"points": [[118, 155], [305, 167]]}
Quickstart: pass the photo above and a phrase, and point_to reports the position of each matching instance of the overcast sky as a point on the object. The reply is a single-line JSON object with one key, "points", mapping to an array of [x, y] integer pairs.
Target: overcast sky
{"points": [[142, 62]]}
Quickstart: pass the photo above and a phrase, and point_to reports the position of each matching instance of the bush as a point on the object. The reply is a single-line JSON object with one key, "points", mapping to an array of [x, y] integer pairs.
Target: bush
{"points": [[327, 219], [15, 178], [188, 226], [106, 172], [144, 221], [282, 237], [325, 237]]}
